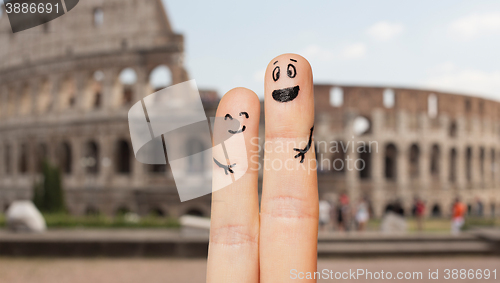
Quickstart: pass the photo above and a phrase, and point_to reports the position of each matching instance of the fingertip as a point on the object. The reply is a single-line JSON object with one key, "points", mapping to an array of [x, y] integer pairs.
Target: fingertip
{"points": [[289, 96], [237, 99]]}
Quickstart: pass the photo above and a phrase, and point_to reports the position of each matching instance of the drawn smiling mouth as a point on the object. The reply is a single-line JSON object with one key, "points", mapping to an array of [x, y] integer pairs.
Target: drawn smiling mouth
{"points": [[286, 94], [238, 131], [228, 116]]}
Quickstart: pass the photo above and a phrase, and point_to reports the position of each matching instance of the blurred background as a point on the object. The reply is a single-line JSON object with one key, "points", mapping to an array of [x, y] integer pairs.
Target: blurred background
{"points": [[407, 130]]}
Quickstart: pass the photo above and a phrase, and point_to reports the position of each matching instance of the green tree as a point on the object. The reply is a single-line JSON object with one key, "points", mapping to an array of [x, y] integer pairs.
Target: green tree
{"points": [[48, 194]]}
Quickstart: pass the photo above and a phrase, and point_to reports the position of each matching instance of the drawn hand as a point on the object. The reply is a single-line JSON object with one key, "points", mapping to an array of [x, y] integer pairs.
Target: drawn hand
{"points": [[302, 152]]}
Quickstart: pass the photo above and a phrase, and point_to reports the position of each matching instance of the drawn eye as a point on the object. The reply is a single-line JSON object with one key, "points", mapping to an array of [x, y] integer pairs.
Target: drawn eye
{"points": [[291, 71], [276, 73]]}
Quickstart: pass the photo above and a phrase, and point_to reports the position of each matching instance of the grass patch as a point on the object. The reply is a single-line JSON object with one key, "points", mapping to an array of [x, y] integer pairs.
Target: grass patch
{"points": [[440, 224], [100, 221], [473, 222]]}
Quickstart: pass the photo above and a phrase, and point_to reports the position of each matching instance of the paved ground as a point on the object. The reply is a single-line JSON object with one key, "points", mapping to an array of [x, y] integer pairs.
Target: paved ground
{"points": [[193, 271]]}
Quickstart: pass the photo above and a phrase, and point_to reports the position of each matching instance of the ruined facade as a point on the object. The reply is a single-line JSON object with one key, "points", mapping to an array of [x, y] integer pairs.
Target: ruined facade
{"points": [[66, 88], [408, 143]]}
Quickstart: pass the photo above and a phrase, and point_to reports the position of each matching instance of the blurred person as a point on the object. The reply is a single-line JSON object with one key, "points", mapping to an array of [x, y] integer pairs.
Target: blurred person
{"points": [[333, 214], [419, 213], [398, 208], [343, 212], [393, 220], [324, 214], [458, 215], [479, 207], [362, 214]]}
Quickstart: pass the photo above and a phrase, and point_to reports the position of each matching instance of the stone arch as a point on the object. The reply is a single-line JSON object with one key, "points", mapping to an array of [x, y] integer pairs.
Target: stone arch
{"points": [[44, 99], [93, 95], [126, 81], [157, 168], [65, 157], [40, 156], [7, 159], [482, 159], [338, 159], [391, 153], [6, 206], [122, 157], [493, 165], [468, 163], [195, 211], [25, 101], [11, 102], [452, 131], [453, 165], [320, 154], [365, 155], [23, 158], [92, 158], [158, 212], [160, 77], [388, 207], [435, 157], [67, 93], [414, 161]]}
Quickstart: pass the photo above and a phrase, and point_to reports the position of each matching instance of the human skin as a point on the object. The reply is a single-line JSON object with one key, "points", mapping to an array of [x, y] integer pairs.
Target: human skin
{"points": [[246, 246]]}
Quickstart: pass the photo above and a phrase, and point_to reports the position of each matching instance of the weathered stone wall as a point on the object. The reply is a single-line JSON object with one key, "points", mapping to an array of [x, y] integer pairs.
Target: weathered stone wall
{"points": [[423, 140]]}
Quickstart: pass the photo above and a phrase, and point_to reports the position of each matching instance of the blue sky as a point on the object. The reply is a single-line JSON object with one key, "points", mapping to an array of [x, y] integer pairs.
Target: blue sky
{"points": [[443, 45]]}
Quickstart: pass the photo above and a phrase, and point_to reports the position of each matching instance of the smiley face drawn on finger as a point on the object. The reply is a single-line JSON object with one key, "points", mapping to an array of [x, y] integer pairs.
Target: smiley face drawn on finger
{"points": [[289, 93], [243, 128]]}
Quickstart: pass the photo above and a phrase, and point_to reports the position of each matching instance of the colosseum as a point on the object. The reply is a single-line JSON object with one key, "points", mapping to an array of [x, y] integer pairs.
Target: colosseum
{"points": [[66, 88]]}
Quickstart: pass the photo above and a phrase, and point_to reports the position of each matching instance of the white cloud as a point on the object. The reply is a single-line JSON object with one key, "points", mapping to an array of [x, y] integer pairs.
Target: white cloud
{"points": [[347, 52], [313, 52], [445, 67], [383, 31], [471, 81], [353, 51], [475, 25]]}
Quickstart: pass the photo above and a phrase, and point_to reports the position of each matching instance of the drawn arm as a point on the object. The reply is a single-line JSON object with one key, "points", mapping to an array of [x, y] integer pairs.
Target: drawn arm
{"points": [[302, 152], [225, 167]]}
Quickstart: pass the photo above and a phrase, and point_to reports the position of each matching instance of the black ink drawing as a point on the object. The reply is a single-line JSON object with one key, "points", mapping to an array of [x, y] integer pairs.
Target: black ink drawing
{"points": [[229, 168], [302, 152], [225, 167], [242, 128], [289, 93], [286, 94]]}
